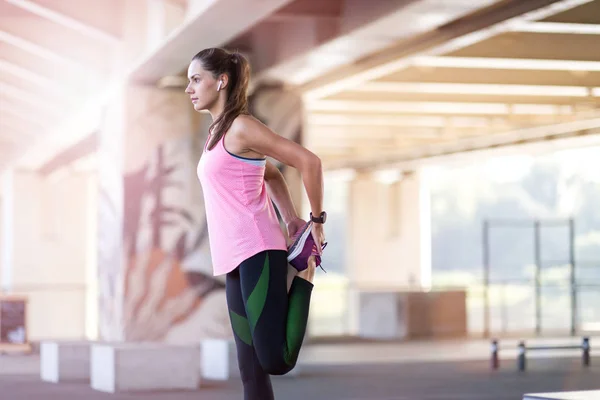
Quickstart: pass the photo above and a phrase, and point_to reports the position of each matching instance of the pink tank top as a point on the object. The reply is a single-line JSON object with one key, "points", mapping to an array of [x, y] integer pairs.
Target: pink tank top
{"points": [[240, 217]]}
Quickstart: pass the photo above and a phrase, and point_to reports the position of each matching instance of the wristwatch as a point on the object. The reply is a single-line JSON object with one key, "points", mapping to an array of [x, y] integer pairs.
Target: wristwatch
{"points": [[320, 219]]}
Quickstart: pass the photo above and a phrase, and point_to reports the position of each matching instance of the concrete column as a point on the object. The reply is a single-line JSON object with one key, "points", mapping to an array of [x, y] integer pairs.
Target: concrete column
{"points": [[390, 242], [6, 231], [162, 17], [157, 23], [135, 21], [160, 276], [44, 222], [389, 250], [110, 209], [283, 112]]}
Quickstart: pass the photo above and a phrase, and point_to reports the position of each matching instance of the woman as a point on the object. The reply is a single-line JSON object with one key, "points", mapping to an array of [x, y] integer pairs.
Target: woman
{"points": [[246, 241]]}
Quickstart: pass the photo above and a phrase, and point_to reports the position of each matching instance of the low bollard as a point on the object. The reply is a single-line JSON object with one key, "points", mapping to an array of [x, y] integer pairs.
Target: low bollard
{"points": [[586, 351], [495, 361], [521, 357]]}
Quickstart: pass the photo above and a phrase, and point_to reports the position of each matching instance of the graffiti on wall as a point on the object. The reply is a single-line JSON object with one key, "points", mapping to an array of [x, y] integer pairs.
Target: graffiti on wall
{"points": [[168, 281]]}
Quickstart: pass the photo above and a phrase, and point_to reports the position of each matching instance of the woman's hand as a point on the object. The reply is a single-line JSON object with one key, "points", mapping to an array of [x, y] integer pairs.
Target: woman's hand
{"points": [[294, 226], [319, 237]]}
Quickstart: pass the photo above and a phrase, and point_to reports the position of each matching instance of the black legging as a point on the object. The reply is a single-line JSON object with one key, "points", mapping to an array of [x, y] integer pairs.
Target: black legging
{"points": [[268, 323]]}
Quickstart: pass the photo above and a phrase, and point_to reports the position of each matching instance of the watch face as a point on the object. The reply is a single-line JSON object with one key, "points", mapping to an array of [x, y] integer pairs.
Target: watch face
{"points": [[320, 219]]}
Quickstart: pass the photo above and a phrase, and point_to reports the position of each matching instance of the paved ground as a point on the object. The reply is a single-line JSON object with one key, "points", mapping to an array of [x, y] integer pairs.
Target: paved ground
{"points": [[460, 380]]}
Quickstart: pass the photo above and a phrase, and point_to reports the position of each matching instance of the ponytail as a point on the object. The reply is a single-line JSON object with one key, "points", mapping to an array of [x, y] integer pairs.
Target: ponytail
{"points": [[236, 66]]}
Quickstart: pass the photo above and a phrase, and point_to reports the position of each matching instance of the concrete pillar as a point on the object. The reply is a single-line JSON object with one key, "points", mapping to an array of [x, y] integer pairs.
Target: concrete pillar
{"points": [[154, 266], [6, 231], [169, 291], [110, 209], [43, 225], [162, 17], [390, 241], [389, 250], [283, 112]]}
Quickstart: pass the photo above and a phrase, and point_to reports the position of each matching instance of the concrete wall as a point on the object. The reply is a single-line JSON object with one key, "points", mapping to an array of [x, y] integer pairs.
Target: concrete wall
{"points": [[49, 252]]}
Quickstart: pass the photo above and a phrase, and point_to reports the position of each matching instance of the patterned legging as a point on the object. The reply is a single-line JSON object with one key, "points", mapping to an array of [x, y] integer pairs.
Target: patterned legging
{"points": [[269, 323]]}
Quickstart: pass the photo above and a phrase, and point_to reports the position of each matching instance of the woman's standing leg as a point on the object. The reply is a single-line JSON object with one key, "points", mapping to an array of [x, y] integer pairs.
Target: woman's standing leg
{"points": [[257, 383], [277, 318]]}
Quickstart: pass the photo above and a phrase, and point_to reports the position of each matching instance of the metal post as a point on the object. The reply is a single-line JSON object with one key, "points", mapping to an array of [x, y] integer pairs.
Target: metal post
{"points": [[503, 309], [586, 351], [486, 279], [521, 356], [573, 279], [538, 283], [495, 361]]}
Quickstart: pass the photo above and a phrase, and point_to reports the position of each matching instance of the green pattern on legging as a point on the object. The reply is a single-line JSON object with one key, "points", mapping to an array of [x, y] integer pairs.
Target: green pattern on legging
{"points": [[256, 300], [241, 327], [298, 300]]}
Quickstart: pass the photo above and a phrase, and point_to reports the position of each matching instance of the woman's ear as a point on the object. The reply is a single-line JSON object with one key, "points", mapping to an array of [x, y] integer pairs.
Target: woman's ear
{"points": [[223, 81]]}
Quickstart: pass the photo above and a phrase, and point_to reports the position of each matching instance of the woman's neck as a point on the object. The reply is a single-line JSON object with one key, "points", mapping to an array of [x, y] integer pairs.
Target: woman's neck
{"points": [[217, 109]]}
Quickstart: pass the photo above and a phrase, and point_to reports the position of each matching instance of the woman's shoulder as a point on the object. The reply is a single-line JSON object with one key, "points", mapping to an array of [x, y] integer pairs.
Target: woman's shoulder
{"points": [[243, 122]]}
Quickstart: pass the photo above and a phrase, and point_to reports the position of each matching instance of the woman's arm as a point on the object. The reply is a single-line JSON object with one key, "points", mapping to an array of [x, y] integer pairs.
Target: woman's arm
{"points": [[257, 137]]}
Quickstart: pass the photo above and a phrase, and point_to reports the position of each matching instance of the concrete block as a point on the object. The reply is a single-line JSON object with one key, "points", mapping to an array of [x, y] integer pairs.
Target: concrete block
{"points": [[144, 367], [219, 361], [65, 361]]}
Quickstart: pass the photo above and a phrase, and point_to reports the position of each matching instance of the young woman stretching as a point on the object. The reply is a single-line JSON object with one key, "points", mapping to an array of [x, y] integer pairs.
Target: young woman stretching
{"points": [[246, 241]]}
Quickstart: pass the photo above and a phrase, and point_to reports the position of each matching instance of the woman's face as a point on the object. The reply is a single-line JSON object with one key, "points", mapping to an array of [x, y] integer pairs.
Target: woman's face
{"points": [[202, 87]]}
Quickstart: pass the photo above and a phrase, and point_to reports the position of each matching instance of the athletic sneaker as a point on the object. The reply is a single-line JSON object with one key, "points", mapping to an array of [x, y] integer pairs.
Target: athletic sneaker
{"points": [[303, 247]]}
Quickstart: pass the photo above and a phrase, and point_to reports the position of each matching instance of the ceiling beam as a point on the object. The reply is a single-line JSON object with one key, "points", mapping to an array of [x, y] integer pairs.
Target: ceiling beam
{"points": [[36, 49], [520, 137], [86, 146], [351, 118], [179, 3], [23, 73], [477, 89], [312, 8], [426, 121], [449, 108], [318, 133], [175, 52], [65, 21], [362, 28], [506, 63], [557, 27], [23, 96], [15, 133], [458, 34], [27, 117]]}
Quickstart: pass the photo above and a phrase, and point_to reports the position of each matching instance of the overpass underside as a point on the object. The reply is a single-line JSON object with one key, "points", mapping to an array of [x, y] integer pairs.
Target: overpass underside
{"points": [[509, 75], [390, 82]]}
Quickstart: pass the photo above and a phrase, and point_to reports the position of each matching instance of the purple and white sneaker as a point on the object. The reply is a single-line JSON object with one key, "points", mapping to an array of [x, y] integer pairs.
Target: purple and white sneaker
{"points": [[303, 247]]}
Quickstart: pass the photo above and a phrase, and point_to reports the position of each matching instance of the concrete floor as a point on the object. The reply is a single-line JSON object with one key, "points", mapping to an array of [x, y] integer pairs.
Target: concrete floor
{"points": [[417, 371]]}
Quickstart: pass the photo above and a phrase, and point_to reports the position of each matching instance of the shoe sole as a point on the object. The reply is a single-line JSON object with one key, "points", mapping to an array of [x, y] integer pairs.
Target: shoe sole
{"points": [[298, 244]]}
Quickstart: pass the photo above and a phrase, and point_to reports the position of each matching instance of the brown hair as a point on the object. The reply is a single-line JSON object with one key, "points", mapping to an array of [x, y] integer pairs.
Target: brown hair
{"points": [[219, 61]]}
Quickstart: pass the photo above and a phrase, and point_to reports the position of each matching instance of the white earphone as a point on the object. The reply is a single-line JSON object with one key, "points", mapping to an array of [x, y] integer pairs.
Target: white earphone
{"points": [[219, 87]]}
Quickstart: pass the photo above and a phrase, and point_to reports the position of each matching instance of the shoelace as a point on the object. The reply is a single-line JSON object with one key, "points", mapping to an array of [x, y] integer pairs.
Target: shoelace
{"points": [[314, 253]]}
